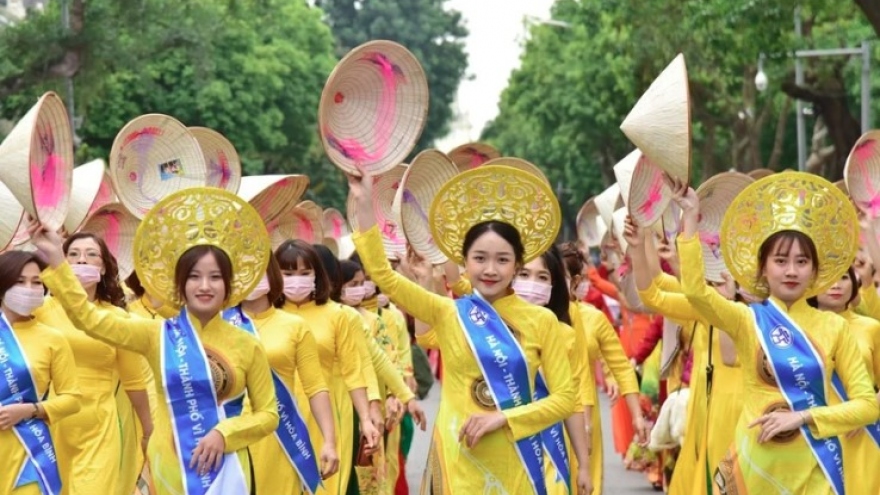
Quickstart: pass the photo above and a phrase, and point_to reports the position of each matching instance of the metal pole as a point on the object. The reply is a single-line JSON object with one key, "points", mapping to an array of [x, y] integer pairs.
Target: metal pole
{"points": [[799, 105], [866, 86], [68, 81]]}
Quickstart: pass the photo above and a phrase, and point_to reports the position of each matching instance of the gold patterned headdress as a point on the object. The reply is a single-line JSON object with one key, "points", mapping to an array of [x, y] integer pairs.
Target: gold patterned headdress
{"points": [[194, 217], [495, 192], [790, 201]]}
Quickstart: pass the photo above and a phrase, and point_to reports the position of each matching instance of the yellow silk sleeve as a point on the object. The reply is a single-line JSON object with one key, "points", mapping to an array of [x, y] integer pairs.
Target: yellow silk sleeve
{"points": [[525, 421], [308, 364], [861, 408], [422, 304], [134, 370], [62, 374], [134, 334], [611, 350], [735, 319], [870, 302], [582, 372], [577, 359], [245, 429], [462, 287], [353, 354], [672, 305], [428, 340], [401, 340], [388, 373], [668, 283]]}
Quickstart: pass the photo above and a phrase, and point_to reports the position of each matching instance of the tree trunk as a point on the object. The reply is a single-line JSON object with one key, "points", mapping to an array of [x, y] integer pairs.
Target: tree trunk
{"points": [[871, 8]]}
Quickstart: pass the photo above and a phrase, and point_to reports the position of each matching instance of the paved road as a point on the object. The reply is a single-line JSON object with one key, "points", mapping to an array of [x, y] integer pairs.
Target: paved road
{"points": [[618, 481]]}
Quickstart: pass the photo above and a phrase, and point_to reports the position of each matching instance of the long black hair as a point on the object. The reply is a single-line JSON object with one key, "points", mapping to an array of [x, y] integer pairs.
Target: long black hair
{"points": [[559, 295]]}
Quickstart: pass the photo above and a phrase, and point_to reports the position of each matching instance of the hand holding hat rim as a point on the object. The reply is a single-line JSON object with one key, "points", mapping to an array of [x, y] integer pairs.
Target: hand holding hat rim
{"points": [[686, 198], [48, 243]]}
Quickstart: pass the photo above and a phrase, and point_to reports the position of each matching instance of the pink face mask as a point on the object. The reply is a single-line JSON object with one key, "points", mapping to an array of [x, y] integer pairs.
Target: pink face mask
{"points": [[534, 292], [580, 292], [87, 274], [298, 288], [353, 296], [22, 300], [260, 290], [369, 289], [383, 300]]}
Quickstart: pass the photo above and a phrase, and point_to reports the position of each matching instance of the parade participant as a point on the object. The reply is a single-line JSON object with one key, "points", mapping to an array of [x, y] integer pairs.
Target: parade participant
{"points": [[32, 356], [145, 305], [206, 249], [784, 238], [292, 352], [89, 444], [493, 343], [860, 447], [307, 290], [602, 344]]}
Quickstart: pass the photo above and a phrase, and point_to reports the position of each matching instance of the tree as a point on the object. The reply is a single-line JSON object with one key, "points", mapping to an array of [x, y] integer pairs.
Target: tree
{"points": [[253, 70], [434, 35]]}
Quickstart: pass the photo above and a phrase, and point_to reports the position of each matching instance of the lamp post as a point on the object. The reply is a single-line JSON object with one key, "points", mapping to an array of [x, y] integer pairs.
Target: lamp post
{"points": [[864, 50]]}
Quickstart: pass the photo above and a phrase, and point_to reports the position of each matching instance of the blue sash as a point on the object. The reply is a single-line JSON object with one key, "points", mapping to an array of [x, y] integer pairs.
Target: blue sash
{"points": [[17, 386], [292, 432], [553, 439], [801, 378], [506, 372], [192, 401], [872, 429]]}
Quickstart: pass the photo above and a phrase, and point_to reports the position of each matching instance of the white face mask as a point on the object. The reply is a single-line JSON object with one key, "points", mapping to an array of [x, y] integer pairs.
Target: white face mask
{"points": [[298, 288], [22, 300], [87, 274], [260, 290], [533, 292], [369, 289], [353, 296], [580, 292]]}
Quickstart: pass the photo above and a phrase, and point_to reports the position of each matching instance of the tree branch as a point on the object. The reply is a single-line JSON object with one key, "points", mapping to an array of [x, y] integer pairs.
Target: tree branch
{"points": [[871, 9]]}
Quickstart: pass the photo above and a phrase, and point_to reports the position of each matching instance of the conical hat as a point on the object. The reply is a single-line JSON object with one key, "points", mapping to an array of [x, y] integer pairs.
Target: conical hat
{"points": [[11, 217], [427, 173], [648, 193], [224, 165], [671, 221], [153, 156], [36, 161], [862, 173], [519, 163], [472, 155], [590, 227], [660, 123], [335, 225], [332, 245], [385, 187], [303, 221], [841, 184], [623, 172], [346, 247], [618, 223], [91, 190], [716, 195], [606, 202], [270, 195], [760, 173], [117, 226], [373, 108]]}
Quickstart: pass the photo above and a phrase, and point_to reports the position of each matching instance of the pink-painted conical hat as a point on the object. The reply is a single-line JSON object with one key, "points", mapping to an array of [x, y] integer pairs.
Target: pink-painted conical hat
{"points": [[92, 189], [649, 195], [153, 156], [427, 173], [862, 173], [224, 165], [335, 224], [472, 155], [36, 161], [271, 195], [373, 108], [716, 195], [117, 226], [385, 188], [660, 123]]}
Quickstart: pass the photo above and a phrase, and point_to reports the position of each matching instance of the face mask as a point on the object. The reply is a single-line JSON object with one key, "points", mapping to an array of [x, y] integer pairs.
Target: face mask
{"points": [[533, 292], [298, 288], [353, 296], [22, 300], [369, 289], [87, 274], [580, 292], [383, 300], [260, 290]]}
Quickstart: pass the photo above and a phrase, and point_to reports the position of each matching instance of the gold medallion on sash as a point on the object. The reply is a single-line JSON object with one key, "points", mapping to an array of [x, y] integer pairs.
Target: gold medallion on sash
{"points": [[481, 395], [222, 374]]}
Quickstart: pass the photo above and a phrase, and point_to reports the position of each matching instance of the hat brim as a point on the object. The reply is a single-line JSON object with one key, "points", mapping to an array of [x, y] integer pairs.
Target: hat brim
{"points": [[472, 155], [117, 227], [428, 172], [221, 159]]}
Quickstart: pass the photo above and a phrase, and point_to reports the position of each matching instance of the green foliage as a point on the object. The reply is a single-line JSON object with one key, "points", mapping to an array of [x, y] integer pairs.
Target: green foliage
{"points": [[434, 35]]}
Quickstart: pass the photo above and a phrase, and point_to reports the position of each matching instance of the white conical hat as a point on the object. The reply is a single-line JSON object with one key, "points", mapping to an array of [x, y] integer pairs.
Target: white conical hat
{"points": [[428, 172], [716, 196], [660, 123], [590, 227], [304, 222], [617, 225], [36, 161], [346, 247], [335, 225], [224, 165], [385, 188], [623, 172], [273, 194], [92, 189], [607, 201], [117, 226], [153, 156], [11, 216], [649, 194]]}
